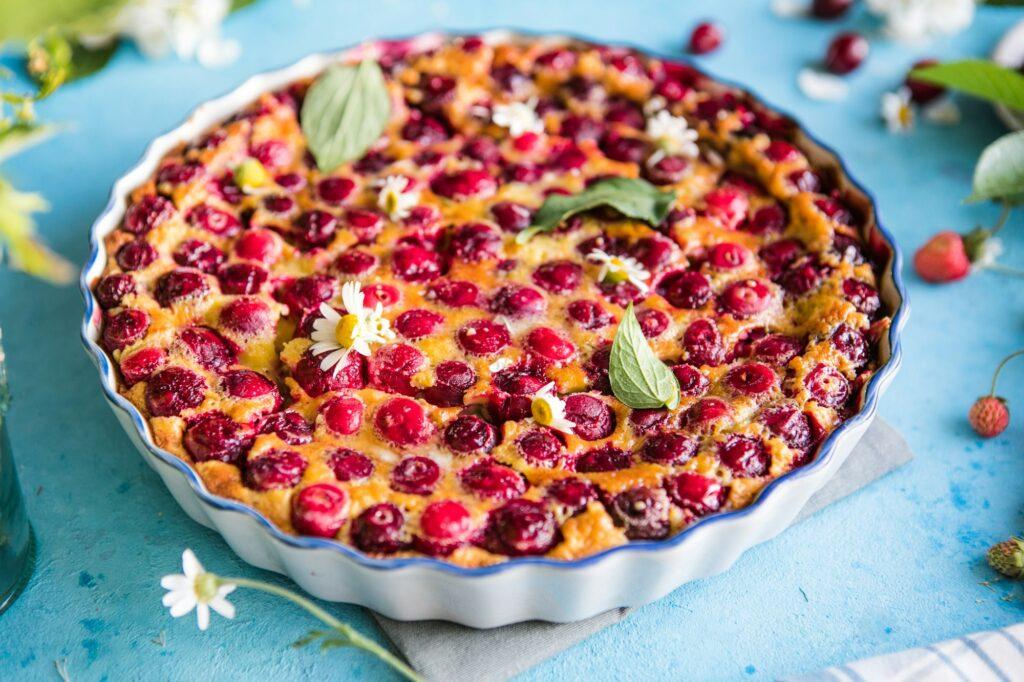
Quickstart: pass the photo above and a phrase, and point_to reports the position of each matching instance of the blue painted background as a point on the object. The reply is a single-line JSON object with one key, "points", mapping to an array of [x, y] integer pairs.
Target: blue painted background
{"points": [[895, 566]]}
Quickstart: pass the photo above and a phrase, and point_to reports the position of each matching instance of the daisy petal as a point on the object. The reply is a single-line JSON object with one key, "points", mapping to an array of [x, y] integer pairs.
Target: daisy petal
{"points": [[223, 607], [821, 86], [203, 616], [175, 582], [191, 564], [183, 605]]}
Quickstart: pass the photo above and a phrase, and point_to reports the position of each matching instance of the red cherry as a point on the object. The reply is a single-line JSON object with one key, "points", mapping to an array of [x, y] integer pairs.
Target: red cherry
{"points": [[706, 37], [320, 509], [403, 423], [846, 52], [343, 414], [275, 470]]}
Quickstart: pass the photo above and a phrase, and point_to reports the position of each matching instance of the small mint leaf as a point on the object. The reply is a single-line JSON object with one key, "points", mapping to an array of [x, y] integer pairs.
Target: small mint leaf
{"points": [[638, 378], [632, 197], [999, 173], [345, 112]]}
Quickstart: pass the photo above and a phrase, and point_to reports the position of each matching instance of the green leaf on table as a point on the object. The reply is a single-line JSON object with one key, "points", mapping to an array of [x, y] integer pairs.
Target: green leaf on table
{"points": [[979, 78], [999, 174], [18, 240], [1002, 3], [345, 112], [18, 137], [239, 4], [638, 378], [632, 197]]}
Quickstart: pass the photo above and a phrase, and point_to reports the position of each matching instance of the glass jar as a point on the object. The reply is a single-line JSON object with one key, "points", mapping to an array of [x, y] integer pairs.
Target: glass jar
{"points": [[17, 546]]}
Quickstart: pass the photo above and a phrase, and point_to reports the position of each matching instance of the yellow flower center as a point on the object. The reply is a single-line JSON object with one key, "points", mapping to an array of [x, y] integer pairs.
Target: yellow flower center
{"points": [[346, 330], [390, 201], [541, 412], [206, 587], [905, 115], [616, 271]]}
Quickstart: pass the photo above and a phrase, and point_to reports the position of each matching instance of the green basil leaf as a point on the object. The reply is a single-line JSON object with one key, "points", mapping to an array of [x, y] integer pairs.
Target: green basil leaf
{"points": [[239, 4], [638, 378], [345, 111], [979, 78], [631, 197], [999, 174]]}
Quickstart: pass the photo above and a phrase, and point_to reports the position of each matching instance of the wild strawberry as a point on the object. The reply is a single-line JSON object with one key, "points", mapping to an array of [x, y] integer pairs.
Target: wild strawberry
{"points": [[943, 258], [989, 416]]}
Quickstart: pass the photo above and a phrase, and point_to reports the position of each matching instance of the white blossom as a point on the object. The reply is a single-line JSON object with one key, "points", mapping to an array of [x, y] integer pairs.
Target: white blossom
{"points": [[898, 111], [518, 117], [548, 409], [196, 589], [821, 86], [337, 335], [189, 28], [673, 134], [619, 269], [396, 197], [917, 20]]}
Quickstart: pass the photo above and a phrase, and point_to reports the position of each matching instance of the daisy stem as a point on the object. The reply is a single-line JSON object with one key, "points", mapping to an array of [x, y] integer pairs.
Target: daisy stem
{"points": [[353, 636], [999, 369]]}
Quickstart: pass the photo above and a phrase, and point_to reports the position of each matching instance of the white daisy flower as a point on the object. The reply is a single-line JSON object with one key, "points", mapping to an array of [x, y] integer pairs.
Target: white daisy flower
{"points": [[673, 134], [615, 269], [396, 198], [198, 590], [821, 86], [916, 20], [337, 335], [518, 117], [548, 410], [189, 28], [898, 111]]}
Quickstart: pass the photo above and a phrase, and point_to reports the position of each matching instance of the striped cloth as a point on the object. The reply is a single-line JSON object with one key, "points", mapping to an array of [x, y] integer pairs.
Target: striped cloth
{"points": [[995, 655]]}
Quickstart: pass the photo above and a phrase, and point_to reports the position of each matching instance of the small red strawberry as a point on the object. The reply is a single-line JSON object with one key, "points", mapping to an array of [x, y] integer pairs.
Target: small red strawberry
{"points": [[989, 416], [943, 258]]}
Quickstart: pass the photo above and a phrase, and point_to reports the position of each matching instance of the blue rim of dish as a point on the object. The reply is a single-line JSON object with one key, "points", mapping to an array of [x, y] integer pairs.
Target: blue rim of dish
{"points": [[826, 449]]}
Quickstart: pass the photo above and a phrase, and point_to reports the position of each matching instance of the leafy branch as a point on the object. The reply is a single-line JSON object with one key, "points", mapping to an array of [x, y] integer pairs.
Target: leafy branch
{"points": [[999, 173]]}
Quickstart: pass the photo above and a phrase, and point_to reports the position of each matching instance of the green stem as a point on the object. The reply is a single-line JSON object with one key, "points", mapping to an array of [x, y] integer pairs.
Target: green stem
{"points": [[1003, 216], [999, 369], [357, 640], [1003, 269]]}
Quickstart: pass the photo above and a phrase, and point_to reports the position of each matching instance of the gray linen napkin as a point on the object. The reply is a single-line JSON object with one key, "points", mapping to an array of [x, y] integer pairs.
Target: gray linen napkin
{"points": [[440, 650]]}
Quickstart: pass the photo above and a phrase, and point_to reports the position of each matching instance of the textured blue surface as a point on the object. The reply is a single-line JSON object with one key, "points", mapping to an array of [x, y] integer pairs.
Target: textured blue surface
{"points": [[897, 565]]}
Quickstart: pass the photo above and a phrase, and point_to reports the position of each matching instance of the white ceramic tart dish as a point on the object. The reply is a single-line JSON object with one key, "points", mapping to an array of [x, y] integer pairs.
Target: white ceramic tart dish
{"points": [[497, 583]]}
